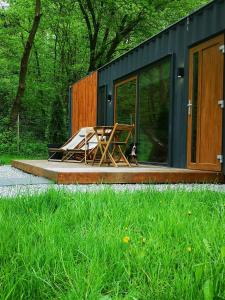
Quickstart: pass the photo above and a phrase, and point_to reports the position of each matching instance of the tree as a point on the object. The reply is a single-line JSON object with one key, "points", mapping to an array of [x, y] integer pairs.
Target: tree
{"points": [[107, 26], [124, 23], [57, 124], [61, 50], [24, 64]]}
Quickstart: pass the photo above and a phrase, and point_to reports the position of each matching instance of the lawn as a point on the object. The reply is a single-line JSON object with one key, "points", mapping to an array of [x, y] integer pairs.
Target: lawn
{"points": [[109, 245], [6, 159]]}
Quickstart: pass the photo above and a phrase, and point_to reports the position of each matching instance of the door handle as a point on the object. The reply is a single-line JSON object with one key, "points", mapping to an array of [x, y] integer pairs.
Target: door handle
{"points": [[189, 106]]}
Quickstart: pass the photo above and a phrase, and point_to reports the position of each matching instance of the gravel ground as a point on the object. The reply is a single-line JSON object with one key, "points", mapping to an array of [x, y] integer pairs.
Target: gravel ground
{"points": [[10, 177], [10, 172], [7, 172], [20, 190]]}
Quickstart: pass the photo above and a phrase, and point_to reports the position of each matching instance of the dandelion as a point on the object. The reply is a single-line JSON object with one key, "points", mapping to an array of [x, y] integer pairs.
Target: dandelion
{"points": [[189, 249], [126, 239]]}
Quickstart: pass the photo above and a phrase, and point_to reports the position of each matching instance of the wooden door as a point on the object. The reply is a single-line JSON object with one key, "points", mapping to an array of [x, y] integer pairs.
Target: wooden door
{"points": [[206, 71]]}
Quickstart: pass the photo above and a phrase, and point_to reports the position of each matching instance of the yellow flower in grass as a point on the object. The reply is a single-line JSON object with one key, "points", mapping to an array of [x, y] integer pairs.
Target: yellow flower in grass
{"points": [[189, 213], [189, 249], [126, 239]]}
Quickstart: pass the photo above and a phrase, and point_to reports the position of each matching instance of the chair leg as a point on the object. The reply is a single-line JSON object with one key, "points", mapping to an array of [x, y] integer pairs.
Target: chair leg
{"points": [[112, 159], [123, 156], [93, 160], [104, 155]]}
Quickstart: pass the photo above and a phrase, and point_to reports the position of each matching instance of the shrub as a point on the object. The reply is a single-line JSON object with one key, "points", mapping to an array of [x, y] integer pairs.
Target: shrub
{"points": [[57, 124]]}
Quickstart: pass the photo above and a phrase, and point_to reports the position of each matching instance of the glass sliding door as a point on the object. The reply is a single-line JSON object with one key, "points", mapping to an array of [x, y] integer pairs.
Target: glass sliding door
{"points": [[154, 101], [125, 101]]}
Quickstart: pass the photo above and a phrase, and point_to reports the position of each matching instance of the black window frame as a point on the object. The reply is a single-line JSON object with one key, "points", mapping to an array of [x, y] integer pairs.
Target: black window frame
{"points": [[137, 73]]}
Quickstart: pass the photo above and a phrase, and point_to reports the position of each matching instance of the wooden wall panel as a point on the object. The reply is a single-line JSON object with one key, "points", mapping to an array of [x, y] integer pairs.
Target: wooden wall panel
{"points": [[84, 102]]}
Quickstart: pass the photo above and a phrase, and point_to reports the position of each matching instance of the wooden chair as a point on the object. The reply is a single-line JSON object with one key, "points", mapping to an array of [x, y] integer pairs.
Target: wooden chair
{"points": [[102, 134], [112, 148], [77, 141]]}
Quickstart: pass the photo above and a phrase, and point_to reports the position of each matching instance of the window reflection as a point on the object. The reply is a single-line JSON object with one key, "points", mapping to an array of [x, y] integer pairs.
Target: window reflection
{"points": [[126, 102], [154, 95]]}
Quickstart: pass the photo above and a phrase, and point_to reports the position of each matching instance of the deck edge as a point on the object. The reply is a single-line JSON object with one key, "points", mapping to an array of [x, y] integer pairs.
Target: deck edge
{"points": [[94, 177], [35, 170]]}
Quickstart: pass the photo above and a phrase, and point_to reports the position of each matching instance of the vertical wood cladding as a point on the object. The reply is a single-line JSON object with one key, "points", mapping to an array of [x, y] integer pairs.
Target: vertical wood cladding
{"points": [[84, 102]]}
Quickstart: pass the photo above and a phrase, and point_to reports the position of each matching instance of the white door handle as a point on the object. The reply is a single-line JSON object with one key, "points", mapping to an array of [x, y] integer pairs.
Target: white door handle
{"points": [[189, 107]]}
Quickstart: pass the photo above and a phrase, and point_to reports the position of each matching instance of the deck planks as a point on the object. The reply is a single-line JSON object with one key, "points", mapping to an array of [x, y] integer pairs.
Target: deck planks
{"points": [[75, 173]]}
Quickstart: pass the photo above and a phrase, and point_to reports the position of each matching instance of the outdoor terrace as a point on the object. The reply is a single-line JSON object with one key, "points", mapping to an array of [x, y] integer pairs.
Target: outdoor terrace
{"points": [[70, 173]]}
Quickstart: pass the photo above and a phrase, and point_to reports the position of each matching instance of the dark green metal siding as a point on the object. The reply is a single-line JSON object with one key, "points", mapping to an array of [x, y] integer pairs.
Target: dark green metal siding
{"points": [[175, 40]]}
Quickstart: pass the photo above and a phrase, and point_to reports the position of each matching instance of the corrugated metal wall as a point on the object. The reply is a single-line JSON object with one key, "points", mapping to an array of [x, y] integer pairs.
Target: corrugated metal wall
{"points": [[84, 102], [175, 40]]}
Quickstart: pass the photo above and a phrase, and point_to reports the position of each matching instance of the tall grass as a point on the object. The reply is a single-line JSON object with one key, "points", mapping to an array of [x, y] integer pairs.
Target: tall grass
{"points": [[108, 245]]}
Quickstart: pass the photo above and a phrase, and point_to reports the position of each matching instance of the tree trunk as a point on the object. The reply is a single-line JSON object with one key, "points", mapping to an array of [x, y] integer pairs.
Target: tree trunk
{"points": [[24, 64]]}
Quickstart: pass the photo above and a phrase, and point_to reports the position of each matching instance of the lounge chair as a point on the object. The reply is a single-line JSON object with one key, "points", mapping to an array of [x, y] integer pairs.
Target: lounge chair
{"points": [[84, 153], [77, 141]]}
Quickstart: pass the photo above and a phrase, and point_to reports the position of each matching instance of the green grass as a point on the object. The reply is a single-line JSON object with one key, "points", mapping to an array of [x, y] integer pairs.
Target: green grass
{"points": [[71, 246], [6, 159]]}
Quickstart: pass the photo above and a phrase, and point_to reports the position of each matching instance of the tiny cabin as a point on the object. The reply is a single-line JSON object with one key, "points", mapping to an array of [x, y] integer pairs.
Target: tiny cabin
{"points": [[171, 87]]}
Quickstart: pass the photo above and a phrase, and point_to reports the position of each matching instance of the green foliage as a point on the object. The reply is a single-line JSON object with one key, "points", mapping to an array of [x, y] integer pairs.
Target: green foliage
{"points": [[8, 142], [30, 147], [61, 51], [57, 124], [27, 145], [110, 245], [6, 159]]}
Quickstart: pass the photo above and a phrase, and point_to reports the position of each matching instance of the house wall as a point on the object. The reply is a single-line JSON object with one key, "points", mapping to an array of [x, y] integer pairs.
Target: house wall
{"points": [[175, 41], [84, 103]]}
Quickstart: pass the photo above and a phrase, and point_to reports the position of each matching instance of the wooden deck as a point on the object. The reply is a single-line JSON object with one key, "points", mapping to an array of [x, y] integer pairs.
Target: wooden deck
{"points": [[72, 173]]}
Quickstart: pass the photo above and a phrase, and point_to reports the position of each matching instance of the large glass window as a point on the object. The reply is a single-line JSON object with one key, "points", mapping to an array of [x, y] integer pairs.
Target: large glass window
{"points": [[154, 95], [125, 101]]}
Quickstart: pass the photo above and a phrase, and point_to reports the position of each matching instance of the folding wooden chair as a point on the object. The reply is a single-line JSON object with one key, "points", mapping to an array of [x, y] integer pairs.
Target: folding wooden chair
{"points": [[102, 134], [113, 149]]}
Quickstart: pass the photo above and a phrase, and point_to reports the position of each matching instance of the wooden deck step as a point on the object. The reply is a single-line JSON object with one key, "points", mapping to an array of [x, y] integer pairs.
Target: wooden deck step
{"points": [[72, 173]]}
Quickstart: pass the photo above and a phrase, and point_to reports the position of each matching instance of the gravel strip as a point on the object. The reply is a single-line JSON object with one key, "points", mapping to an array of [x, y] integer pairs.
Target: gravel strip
{"points": [[25, 188], [21, 190], [10, 176], [10, 172]]}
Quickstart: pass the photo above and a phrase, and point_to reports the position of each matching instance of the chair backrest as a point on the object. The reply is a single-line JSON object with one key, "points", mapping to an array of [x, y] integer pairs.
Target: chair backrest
{"points": [[121, 133], [78, 139], [103, 132]]}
